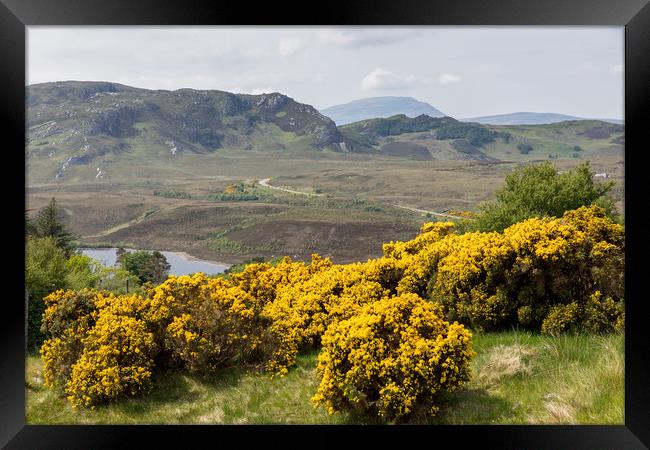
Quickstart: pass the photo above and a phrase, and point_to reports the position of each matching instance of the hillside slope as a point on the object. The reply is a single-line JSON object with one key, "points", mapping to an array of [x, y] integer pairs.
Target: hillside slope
{"points": [[424, 137], [445, 138], [75, 125], [107, 132]]}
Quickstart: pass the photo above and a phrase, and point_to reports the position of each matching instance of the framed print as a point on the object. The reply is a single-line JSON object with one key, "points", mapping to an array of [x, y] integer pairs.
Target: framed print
{"points": [[397, 220]]}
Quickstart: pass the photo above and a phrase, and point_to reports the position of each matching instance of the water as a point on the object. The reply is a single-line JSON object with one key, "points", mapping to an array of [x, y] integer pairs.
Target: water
{"points": [[181, 263]]}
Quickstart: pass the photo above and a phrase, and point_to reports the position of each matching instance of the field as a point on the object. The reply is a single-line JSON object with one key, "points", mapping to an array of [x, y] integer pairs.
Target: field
{"points": [[518, 378], [353, 213]]}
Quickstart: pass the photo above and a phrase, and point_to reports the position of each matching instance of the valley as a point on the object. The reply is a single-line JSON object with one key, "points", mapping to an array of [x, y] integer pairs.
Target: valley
{"points": [[229, 177]]}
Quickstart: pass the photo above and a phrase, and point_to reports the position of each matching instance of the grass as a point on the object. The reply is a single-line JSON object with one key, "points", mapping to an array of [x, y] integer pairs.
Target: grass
{"points": [[518, 378], [524, 378]]}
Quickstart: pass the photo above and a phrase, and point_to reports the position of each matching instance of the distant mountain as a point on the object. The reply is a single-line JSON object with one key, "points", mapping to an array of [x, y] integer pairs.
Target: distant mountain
{"points": [[530, 118], [76, 126], [372, 107]]}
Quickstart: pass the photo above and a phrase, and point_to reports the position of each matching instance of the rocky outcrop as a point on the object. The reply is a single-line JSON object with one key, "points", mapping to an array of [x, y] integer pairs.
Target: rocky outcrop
{"points": [[300, 119], [117, 122], [270, 102]]}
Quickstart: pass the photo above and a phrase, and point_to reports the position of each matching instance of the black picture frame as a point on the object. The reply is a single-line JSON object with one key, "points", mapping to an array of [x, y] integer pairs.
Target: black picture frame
{"points": [[16, 15]]}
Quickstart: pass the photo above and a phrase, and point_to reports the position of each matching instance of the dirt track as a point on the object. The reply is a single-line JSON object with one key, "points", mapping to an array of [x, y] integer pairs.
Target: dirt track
{"points": [[424, 211], [265, 183]]}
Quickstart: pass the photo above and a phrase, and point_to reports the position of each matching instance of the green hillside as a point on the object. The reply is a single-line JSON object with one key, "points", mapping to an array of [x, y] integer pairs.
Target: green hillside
{"points": [[448, 139], [101, 131], [87, 130]]}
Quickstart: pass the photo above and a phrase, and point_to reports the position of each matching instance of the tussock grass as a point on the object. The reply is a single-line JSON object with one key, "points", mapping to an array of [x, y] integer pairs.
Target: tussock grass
{"points": [[518, 378], [505, 361]]}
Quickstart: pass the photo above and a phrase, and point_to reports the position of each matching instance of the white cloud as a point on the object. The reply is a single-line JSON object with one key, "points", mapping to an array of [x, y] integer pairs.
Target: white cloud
{"points": [[376, 79], [447, 78], [258, 91], [385, 80], [251, 91], [361, 38], [518, 67], [290, 46]]}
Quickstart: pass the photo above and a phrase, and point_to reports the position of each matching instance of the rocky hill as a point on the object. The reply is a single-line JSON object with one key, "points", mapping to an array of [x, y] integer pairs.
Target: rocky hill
{"points": [[405, 136], [82, 123], [82, 131], [445, 138]]}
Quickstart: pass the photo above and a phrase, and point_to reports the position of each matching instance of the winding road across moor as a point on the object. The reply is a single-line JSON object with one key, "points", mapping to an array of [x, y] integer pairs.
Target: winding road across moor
{"points": [[265, 183]]}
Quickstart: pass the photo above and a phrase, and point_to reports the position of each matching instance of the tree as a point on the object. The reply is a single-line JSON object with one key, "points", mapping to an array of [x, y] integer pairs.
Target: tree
{"points": [[82, 271], [540, 191], [116, 280], [49, 223], [45, 272], [147, 266], [30, 228], [158, 267]]}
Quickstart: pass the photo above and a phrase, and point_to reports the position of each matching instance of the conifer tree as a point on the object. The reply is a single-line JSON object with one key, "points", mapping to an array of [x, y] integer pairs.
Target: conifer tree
{"points": [[49, 223]]}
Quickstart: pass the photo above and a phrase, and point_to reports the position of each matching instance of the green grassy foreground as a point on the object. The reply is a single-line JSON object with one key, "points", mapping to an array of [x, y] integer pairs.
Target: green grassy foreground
{"points": [[518, 378]]}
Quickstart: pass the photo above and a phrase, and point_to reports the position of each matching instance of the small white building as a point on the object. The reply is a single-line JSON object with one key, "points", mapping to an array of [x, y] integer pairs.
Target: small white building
{"points": [[601, 175]]}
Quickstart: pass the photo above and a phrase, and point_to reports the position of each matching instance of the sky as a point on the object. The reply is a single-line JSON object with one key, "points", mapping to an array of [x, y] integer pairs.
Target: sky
{"points": [[462, 71]]}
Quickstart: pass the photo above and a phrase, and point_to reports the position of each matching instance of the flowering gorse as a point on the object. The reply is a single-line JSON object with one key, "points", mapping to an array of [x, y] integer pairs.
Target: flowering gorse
{"points": [[391, 329], [495, 280], [392, 357]]}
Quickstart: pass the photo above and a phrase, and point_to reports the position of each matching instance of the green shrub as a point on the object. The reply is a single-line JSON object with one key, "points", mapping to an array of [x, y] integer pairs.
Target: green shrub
{"points": [[147, 266], [172, 193], [45, 271], [540, 191], [236, 197], [477, 135], [82, 272]]}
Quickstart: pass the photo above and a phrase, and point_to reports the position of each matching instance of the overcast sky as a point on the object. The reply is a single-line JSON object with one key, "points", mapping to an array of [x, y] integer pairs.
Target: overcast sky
{"points": [[462, 71]]}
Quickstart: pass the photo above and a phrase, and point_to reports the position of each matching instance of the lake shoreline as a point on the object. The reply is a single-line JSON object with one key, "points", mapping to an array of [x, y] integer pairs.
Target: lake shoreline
{"points": [[181, 262], [193, 253]]}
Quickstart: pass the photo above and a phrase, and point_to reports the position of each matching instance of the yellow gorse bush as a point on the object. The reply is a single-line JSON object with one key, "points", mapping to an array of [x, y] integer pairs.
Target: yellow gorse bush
{"points": [[515, 278], [389, 344], [68, 317], [392, 357], [117, 361], [218, 327], [301, 312]]}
